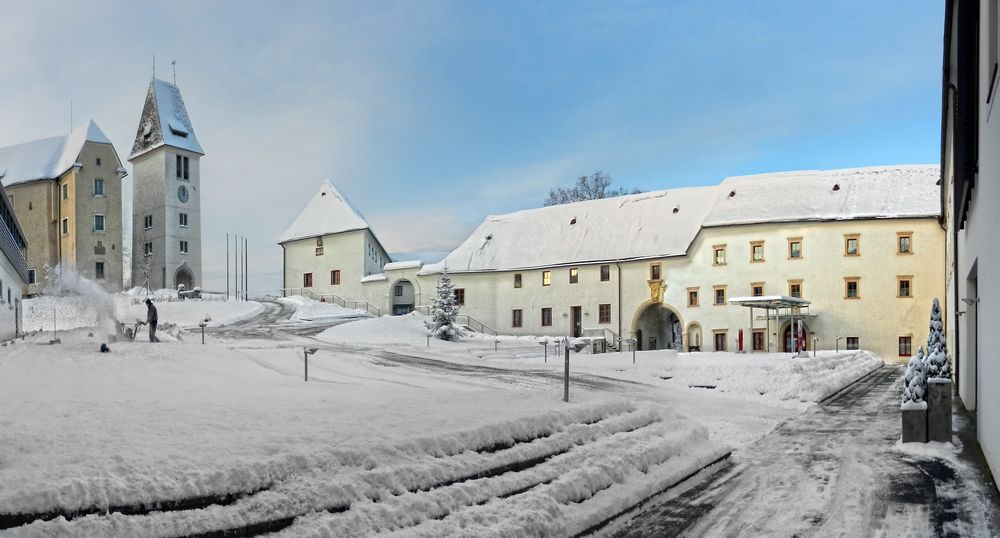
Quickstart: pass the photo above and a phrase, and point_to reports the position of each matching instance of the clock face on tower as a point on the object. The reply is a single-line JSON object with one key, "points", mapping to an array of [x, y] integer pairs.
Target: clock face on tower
{"points": [[182, 194]]}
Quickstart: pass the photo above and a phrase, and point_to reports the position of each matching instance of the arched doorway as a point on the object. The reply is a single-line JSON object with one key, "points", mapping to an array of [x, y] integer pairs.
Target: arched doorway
{"points": [[658, 327], [789, 336], [184, 277], [402, 297], [694, 336]]}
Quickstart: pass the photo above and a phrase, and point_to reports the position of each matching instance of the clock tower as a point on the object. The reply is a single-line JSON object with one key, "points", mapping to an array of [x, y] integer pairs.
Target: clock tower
{"points": [[166, 194]]}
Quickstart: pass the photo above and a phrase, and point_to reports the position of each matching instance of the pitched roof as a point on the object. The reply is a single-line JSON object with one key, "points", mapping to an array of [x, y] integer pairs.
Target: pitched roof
{"points": [[164, 121], [47, 158], [665, 223], [328, 212]]}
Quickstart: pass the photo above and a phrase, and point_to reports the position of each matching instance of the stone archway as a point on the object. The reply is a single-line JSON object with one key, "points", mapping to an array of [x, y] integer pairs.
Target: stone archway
{"points": [[694, 336], [184, 277], [788, 333], [402, 296], [657, 326]]}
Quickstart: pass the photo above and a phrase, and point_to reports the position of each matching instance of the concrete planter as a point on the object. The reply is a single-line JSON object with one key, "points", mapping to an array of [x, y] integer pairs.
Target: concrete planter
{"points": [[939, 410], [914, 422]]}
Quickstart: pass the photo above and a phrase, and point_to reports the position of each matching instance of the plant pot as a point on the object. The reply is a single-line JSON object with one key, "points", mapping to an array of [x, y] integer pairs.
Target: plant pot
{"points": [[914, 422], [939, 409]]}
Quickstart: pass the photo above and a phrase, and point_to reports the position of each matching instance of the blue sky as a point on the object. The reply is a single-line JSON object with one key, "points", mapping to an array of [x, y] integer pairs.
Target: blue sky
{"points": [[431, 115]]}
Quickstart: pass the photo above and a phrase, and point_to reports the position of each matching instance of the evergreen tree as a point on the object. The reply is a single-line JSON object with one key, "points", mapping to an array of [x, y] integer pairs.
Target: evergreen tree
{"points": [[915, 382], [937, 350], [444, 310]]}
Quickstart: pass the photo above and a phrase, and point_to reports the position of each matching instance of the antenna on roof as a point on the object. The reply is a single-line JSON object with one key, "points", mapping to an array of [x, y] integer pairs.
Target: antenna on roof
{"points": [[71, 115], [174, 63], [154, 65]]}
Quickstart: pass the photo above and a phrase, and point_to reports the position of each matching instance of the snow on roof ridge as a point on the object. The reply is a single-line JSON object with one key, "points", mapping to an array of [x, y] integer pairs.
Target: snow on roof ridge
{"points": [[327, 212], [407, 264], [50, 157]]}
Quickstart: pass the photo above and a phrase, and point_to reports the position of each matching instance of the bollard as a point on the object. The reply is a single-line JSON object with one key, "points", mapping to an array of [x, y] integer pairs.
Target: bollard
{"points": [[308, 351], [202, 325], [566, 378], [496, 345], [428, 340], [546, 344]]}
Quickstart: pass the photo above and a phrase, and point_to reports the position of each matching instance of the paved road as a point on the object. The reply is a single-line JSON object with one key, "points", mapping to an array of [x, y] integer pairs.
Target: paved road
{"points": [[833, 471]]}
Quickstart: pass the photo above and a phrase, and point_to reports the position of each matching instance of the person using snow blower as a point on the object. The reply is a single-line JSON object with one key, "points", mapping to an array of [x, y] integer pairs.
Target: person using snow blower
{"points": [[152, 320]]}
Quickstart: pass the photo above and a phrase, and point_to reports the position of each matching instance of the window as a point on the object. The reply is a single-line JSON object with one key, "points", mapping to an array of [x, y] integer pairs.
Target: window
{"points": [[795, 288], [757, 289], [546, 278], [98, 223], [65, 225], [654, 271], [794, 248], [98, 187], [319, 247], [459, 295], [720, 340], [65, 191], [852, 246], [31, 276], [904, 286], [183, 171], [853, 343], [546, 317], [851, 288], [905, 346], [307, 280], [98, 161], [904, 243], [98, 271], [517, 280], [335, 277], [692, 296], [183, 218], [574, 275], [147, 249], [719, 255], [397, 291], [147, 222], [605, 273], [604, 313], [758, 340], [184, 247], [756, 251], [720, 295], [516, 317]]}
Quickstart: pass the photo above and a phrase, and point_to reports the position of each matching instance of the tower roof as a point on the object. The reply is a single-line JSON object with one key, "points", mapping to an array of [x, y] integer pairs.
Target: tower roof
{"points": [[164, 121], [328, 212], [47, 158]]}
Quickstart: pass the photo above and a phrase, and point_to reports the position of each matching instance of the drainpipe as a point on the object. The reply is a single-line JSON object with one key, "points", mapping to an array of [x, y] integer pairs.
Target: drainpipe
{"points": [[618, 263]]}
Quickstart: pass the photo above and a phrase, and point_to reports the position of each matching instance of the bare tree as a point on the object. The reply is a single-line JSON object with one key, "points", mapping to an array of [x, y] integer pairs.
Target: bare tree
{"points": [[592, 187]]}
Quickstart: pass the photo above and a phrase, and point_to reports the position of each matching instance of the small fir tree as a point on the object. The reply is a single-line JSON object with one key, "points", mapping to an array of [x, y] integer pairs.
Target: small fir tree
{"points": [[915, 382], [444, 310], [938, 365]]}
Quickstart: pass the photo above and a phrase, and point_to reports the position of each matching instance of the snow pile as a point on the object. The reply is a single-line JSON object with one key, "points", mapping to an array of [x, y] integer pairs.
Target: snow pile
{"points": [[307, 309], [408, 329], [71, 302], [188, 313]]}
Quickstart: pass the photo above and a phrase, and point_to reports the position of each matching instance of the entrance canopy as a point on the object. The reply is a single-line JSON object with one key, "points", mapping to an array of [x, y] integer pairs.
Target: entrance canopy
{"points": [[770, 302], [794, 308]]}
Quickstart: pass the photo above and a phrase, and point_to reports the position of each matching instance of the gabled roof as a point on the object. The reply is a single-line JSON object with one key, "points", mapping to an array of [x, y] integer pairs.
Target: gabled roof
{"points": [[164, 121], [664, 223], [47, 158], [328, 212]]}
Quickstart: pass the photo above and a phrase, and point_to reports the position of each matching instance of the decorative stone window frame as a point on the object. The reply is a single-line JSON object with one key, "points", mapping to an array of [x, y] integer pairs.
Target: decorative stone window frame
{"points": [[697, 298], [857, 281], [754, 285], [795, 282], [574, 275], [517, 280], [601, 318], [801, 252], [715, 294], [715, 256], [899, 237], [763, 340], [715, 339], [753, 245], [899, 345], [605, 273], [546, 278], [655, 272], [857, 239], [899, 280]]}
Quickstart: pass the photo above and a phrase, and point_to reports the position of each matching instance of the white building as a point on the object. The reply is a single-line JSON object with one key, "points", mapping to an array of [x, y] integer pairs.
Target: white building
{"points": [[166, 198], [13, 270], [970, 172], [863, 246]]}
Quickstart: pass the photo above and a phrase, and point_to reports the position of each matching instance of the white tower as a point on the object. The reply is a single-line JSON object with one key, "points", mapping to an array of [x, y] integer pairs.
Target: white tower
{"points": [[166, 195]]}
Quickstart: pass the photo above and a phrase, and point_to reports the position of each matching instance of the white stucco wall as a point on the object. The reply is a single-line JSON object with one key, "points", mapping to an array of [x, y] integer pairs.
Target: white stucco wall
{"points": [[347, 252], [11, 302]]}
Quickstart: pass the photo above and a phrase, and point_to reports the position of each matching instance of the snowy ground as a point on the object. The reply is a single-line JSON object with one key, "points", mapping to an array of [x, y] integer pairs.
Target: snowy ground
{"points": [[388, 435]]}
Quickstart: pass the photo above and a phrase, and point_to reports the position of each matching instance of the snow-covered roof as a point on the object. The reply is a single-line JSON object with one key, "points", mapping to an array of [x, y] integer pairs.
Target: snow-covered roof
{"points": [[665, 223], [396, 266], [854, 193], [768, 301], [47, 158], [654, 224], [164, 121], [328, 212], [377, 277]]}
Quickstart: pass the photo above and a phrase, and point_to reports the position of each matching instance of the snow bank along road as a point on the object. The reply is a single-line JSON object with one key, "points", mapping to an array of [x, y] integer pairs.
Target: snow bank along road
{"points": [[835, 471]]}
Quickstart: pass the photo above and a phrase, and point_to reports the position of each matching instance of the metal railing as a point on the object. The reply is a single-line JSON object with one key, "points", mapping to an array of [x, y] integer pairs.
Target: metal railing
{"points": [[609, 336], [333, 299]]}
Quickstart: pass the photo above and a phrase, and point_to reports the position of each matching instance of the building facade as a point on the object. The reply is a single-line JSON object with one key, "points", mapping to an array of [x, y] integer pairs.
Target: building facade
{"points": [[13, 270], [67, 193], [863, 246], [166, 198], [970, 202]]}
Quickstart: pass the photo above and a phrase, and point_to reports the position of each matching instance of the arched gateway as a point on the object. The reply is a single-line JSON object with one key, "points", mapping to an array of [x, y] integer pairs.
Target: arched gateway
{"points": [[658, 326]]}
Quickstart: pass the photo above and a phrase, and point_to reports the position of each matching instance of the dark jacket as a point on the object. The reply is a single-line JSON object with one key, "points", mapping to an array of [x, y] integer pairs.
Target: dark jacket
{"points": [[151, 314]]}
